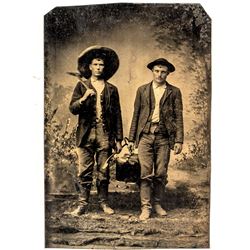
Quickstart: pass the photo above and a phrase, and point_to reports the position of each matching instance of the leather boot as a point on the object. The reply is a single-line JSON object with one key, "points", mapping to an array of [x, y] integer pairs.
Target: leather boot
{"points": [[145, 193], [80, 210], [145, 214], [158, 192], [102, 190], [82, 201], [159, 210], [107, 209]]}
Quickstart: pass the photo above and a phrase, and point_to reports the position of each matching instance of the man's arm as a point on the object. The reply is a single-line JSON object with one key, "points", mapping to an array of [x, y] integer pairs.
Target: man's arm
{"points": [[118, 117], [135, 119], [78, 98], [178, 109]]}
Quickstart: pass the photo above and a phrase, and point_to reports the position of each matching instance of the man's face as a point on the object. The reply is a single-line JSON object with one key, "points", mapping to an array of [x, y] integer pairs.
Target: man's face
{"points": [[160, 73], [97, 67]]}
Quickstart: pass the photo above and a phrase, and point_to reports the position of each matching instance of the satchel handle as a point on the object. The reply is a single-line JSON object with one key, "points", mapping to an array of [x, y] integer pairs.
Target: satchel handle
{"points": [[126, 140]]}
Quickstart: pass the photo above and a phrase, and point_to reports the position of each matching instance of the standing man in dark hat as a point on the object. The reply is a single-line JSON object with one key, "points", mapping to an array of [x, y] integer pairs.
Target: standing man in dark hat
{"points": [[156, 128], [96, 102]]}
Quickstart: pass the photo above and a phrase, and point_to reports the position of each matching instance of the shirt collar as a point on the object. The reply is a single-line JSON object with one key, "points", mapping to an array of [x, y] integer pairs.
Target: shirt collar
{"points": [[97, 81], [155, 86]]}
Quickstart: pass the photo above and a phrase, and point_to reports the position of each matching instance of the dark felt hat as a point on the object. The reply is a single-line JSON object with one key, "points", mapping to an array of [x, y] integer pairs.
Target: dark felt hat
{"points": [[161, 61], [111, 61]]}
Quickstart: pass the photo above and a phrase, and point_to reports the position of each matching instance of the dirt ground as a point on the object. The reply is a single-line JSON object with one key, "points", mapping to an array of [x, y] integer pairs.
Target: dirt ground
{"points": [[186, 226]]}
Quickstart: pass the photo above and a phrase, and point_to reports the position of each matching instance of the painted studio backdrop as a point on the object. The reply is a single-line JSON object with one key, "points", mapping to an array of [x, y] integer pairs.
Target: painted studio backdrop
{"points": [[139, 33]]}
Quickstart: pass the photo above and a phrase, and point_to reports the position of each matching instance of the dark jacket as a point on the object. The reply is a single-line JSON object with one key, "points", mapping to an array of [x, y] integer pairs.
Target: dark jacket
{"points": [[111, 112], [170, 113]]}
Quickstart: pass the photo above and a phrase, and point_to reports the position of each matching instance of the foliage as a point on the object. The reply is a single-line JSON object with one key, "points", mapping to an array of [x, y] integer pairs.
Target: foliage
{"points": [[189, 26], [183, 23], [59, 143]]}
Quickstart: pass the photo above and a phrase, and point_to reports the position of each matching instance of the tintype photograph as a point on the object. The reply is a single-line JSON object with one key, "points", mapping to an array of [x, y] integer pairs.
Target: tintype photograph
{"points": [[127, 107]]}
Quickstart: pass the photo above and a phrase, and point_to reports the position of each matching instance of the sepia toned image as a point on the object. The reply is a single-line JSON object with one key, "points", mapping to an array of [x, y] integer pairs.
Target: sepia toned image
{"points": [[127, 100]]}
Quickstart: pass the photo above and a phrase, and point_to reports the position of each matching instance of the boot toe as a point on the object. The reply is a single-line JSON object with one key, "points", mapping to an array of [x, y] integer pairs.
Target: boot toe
{"points": [[160, 211], [145, 214], [107, 209], [79, 211]]}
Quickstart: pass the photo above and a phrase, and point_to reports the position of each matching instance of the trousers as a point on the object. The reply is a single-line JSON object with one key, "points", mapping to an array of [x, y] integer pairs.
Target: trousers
{"points": [[154, 154], [96, 150]]}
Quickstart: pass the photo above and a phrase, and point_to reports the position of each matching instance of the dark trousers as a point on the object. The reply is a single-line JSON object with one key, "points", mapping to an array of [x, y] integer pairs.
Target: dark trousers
{"points": [[154, 153], [96, 150]]}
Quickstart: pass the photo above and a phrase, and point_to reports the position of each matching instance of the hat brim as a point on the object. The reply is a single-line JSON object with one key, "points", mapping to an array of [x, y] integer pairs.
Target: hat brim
{"points": [[108, 55], [169, 65]]}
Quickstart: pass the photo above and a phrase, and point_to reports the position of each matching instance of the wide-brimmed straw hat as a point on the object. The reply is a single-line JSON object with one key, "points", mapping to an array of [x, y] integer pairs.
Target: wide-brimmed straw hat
{"points": [[161, 61], [111, 61]]}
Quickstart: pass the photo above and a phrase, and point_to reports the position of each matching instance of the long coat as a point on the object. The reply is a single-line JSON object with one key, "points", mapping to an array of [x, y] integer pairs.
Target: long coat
{"points": [[111, 112], [171, 116]]}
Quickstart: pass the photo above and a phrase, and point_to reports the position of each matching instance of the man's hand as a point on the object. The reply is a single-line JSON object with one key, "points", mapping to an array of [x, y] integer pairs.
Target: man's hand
{"points": [[89, 92], [177, 148], [131, 146], [118, 147]]}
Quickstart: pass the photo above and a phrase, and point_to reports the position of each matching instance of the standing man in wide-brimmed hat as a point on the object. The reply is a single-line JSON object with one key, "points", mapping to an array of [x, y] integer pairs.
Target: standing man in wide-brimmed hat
{"points": [[96, 102], [157, 127]]}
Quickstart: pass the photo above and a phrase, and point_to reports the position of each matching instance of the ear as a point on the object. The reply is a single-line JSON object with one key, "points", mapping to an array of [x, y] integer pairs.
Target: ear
{"points": [[90, 66]]}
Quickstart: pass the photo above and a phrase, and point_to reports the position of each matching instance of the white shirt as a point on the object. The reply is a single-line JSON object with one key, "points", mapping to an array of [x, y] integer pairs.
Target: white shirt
{"points": [[158, 93], [99, 87]]}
